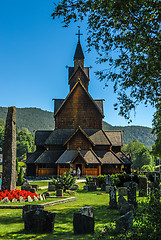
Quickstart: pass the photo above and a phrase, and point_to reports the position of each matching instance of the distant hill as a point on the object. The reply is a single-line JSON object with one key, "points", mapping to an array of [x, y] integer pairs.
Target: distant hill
{"points": [[142, 134], [31, 118], [37, 119]]}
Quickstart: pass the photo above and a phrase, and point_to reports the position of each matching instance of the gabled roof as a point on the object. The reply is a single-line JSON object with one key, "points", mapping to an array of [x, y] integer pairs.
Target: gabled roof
{"points": [[57, 104], [71, 71], [32, 158], [108, 157], [49, 156], [59, 136], [98, 137], [70, 155], [41, 136], [115, 137], [123, 157], [79, 69], [79, 52], [78, 83], [79, 129]]}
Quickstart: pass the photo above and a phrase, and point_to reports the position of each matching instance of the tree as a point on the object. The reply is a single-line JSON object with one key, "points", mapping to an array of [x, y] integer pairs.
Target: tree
{"points": [[140, 154], [25, 144], [65, 181], [156, 149], [127, 37]]}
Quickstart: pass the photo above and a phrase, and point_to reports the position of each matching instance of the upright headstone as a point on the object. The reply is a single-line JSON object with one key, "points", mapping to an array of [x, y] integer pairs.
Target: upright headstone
{"points": [[113, 202], [108, 180], [132, 194], [9, 151], [143, 186]]}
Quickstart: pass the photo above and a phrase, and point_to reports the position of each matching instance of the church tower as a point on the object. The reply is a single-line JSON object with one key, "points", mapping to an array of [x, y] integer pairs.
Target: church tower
{"points": [[78, 72], [78, 109]]}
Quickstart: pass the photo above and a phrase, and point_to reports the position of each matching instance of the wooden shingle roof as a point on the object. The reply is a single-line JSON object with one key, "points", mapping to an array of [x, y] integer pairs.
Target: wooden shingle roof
{"points": [[49, 156], [108, 157], [123, 157], [115, 137], [70, 155], [41, 136], [59, 136], [32, 158], [98, 137]]}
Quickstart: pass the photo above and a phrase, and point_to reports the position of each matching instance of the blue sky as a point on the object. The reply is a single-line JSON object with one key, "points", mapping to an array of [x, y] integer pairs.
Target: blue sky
{"points": [[34, 50]]}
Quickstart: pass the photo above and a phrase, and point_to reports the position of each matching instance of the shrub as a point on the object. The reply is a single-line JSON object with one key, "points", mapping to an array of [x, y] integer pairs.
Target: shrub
{"points": [[119, 179], [147, 168], [65, 181], [20, 177], [89, 179], [101, 179]]}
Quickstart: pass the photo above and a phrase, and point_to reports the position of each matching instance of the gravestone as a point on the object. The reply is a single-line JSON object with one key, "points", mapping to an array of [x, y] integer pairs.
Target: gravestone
{"points": [[87, 210], [92, 186], [108, 189], [124, 206], [59, 192], [108, 180], [9, 151], [143, 186], [132, 194], [39, 221], [29, 207], [125, 222], [113, 202], [83, 224], [51, 186], [122, 191]]}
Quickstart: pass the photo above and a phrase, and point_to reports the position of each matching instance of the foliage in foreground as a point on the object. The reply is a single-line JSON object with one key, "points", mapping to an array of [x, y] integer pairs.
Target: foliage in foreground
{"points": [[65, 181], [131, 29], [140, 155]]}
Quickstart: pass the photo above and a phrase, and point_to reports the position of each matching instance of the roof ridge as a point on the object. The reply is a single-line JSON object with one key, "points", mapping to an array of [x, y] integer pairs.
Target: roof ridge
{"points": [[75, 73], [79, 82]]}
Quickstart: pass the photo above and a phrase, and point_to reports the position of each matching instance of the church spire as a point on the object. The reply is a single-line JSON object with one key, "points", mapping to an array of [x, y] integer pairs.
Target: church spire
{"points": [[79, 55]]}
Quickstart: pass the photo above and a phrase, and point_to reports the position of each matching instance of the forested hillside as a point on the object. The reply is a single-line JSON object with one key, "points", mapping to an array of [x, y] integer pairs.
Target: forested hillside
{"points": [[142, 134], [31, 118], [34, 118]]}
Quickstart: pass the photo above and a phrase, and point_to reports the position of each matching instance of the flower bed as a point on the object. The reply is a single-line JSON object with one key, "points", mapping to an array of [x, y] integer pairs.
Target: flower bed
{"points": [[11, 194]]}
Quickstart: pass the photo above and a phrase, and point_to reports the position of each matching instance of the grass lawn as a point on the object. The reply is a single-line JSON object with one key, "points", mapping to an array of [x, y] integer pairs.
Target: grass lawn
{"points": [[12, 226]]}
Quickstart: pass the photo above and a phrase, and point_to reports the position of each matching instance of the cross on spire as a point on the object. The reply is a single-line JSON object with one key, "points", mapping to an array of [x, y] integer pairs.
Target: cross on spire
{"points": [[79, 34]]}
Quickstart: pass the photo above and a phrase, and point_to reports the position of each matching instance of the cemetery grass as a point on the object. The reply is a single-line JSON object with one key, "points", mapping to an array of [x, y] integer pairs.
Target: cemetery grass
{"points": [[12, 226]]}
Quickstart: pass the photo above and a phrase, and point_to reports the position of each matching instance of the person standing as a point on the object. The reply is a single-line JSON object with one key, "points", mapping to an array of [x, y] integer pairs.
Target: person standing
{"points": [[78, 173]]}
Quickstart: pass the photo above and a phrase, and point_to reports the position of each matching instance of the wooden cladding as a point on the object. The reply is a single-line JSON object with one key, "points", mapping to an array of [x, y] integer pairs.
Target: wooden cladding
{"points": [[79, 141], [42, 172], [79, 76], [77, 111]]}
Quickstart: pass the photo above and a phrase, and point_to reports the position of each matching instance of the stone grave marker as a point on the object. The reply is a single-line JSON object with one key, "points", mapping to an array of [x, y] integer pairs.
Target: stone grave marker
{"points": [[113, 202], [143, 186], [132, 194], [9, 151], [39, 221], [125, 222], [122, 191], [83, 221], [124, 206]]}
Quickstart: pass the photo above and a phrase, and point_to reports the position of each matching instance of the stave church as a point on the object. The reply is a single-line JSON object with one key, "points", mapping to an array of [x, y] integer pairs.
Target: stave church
{"points": [[78, 140]]}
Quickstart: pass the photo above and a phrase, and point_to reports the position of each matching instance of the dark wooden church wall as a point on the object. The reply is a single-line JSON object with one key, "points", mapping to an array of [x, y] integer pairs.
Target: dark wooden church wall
{"points": [[79, 75], [79, 141], [31, 170], [110, 169], [78, 111]]}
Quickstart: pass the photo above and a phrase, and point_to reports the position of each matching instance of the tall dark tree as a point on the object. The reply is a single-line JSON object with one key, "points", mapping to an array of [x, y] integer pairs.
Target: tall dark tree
{"points": [[127, 36]]}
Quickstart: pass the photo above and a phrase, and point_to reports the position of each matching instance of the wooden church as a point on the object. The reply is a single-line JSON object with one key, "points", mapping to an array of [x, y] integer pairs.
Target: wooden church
{"points": [[78, 140]]}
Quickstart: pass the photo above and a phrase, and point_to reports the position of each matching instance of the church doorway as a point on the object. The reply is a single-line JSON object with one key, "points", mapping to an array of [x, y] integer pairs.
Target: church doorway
{"points": [[80, 167]]}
